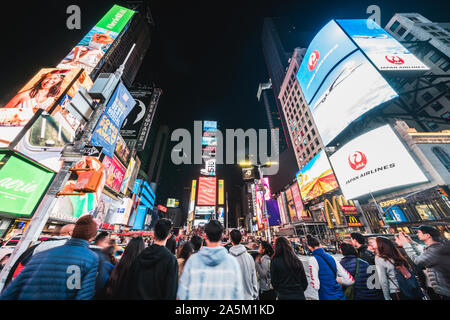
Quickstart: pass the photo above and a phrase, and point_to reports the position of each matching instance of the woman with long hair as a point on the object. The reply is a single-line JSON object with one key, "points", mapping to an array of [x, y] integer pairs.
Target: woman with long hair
{"points": [[118, 279], [262, 265], [184, 253], [287, 273], [387, 260]]}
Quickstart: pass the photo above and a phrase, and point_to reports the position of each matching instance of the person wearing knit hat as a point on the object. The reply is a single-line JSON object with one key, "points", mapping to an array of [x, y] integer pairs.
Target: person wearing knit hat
{"points": [[73, 267]]}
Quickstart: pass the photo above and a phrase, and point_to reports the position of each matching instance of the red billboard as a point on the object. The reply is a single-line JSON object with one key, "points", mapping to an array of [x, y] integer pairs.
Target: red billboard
{"points": [[115, 173], [206, 191], [297, 201]]}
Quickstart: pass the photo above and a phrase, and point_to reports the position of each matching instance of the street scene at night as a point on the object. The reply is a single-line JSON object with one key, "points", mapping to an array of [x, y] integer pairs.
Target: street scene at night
{"points": [[239, 152]]}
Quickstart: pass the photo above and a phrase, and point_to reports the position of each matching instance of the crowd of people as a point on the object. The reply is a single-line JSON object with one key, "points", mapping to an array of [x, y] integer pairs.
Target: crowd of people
{"points": [[81, 263]]}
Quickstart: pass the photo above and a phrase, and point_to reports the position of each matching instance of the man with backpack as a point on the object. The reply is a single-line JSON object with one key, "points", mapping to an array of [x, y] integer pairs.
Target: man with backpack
{"points": [[432, 258]]}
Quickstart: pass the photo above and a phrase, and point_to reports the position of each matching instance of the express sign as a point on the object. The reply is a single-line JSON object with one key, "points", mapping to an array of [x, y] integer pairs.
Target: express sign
{"points": [[374, 161]]}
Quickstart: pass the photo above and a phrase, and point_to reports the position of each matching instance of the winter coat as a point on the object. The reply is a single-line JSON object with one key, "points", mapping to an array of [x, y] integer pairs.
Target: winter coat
{"points": [[154, 275], [367, 255], [386, 276], [361, 289], [248, 269], [324, 276], [211, 274], [64, 272], [287, 284], [50, 243], [104, 271], [436, 264], [263, 272]]}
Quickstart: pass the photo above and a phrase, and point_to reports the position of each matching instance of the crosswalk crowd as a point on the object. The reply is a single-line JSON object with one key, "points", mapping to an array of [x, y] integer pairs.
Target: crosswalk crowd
{"points": [[81, 263]]}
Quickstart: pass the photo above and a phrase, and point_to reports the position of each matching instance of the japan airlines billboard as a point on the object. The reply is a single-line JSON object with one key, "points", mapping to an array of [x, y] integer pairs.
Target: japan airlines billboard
{"points": [[385, 52], [373, 162]]}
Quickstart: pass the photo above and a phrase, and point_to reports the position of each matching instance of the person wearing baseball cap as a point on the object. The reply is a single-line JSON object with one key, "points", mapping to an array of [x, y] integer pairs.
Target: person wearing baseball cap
{"points": [[66, 272], [431, 257]]}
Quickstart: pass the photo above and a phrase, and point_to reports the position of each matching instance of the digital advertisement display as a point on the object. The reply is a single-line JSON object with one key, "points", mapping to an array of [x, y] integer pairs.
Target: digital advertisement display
{"points": [[210, 168], [115, 172], [297, 201], [373, 162], [207, 210], [107, 130], [385, 52], [282, 209], [91, 49], [316, 177], [259, 205], [274, 213], [22, 184], [394, 214], [127, 177], [122, 151], [351, 89], [135, 119], [210, 126], [328, 47], [209, 141], [267, 193], [206, 191], [221, 193], [172, 203], [192, 198], [221, 215], [290, 204]]}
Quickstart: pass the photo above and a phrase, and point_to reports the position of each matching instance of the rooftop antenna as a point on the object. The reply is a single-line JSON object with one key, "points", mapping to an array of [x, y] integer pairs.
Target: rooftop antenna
{"points": [[119, 71]]}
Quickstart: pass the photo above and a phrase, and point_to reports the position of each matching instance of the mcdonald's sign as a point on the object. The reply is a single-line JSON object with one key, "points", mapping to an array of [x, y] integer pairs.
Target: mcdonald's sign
{"points": [[353, 221], [333, 207]]}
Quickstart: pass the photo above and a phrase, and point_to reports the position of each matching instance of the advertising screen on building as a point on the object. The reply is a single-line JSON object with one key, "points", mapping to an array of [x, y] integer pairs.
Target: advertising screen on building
{"points": [[206, 191], [205, 210], [115, 173], [127, 177], [267, 193], [328, 47], [122, 151], [290, 204], [373, 162], [91, 49], [274, 213], [107, 130], [209, 141], [351, 89], [316, 177], [210, 167], [259, 197], [210, 126], [172, 203], [221, 193], [221, 215], [385, 52], [297, 201], [282, 209], [22, 184], [133, 122]]}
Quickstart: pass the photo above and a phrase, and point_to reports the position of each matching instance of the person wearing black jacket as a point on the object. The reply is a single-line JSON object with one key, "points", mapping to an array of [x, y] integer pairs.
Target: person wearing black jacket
{"points": [[287, 273], [154, 273], [359, 242]]}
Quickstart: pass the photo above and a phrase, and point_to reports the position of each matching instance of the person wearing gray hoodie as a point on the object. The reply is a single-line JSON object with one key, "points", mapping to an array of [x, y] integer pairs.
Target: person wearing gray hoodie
{"points": [[246, 264]]}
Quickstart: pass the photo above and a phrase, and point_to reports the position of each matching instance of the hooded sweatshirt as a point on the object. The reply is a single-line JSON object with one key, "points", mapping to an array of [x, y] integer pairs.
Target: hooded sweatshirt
{"points": [[211, 274], [247, 265], [154, 275]]}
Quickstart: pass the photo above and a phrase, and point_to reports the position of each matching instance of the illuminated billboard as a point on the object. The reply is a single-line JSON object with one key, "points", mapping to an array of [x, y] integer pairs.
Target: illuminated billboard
{"points": [[267, 193], [221, 192], [127, 177], [115, 172], [373, 162], [350, 90], [192, 199], [316, 177], [328, 47], [259, 205], [206, 191], [210, 168], [281, 208], [380, 47], [290, 204], [273, 212], [221, 215], [209, 141], [106, 132], [172, 203], [210, 126], [91, 49], [22, 184], [297, 201]]}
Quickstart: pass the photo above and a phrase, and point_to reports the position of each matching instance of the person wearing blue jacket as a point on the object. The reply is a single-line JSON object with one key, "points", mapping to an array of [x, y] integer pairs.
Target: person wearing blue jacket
{"points": [[67, 272], [361, 288], [326, 274]]}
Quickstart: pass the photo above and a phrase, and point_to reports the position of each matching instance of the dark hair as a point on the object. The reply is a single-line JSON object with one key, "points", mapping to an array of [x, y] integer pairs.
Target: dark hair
{"points": [[185, 251], [109, 252], [284, 249], [358, 237], [52, 92], [196, 242], [101, 236], [312, 241], [388, 251], [236, 236], [213, 230], [120, 273], [162, 229], [267, 248], [171, 244], [348, 250]]}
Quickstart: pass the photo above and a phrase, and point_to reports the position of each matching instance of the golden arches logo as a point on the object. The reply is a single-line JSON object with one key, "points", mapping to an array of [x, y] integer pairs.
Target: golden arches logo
{"points": [[334, 207]]}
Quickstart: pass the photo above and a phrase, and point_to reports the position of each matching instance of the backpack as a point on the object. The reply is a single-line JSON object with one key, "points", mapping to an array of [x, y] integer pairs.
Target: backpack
{"points": [[349, 292], [407, 283]]}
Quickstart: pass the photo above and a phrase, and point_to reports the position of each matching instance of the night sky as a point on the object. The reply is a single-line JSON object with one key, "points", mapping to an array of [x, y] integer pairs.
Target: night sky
{"points": [[206, 56]]}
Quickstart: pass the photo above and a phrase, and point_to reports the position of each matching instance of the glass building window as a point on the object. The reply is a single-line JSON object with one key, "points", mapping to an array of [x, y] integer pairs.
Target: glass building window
{"points": [[445, 66], [401, 31], [394, 26], [443, 157], [435, 57], [409, 37]]}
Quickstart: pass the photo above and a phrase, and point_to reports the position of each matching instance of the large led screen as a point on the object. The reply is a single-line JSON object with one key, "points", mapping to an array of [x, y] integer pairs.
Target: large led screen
{"points": [[384, 51], [350, 90], [328, 47], [22, 184], [375, 161], [91, 49], [297, 200], [316, 177], [290, 204], [206, 191]]}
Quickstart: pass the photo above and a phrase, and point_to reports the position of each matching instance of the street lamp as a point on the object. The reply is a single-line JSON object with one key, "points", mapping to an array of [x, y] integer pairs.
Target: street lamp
{"points": [[261, 182]]}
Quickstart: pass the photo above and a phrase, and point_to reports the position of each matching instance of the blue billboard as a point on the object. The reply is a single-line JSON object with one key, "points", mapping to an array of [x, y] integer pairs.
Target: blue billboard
{"points": [[273, 212], [107, 130], [380, 47], [210, 126], [327, 48], [351, 89]]}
